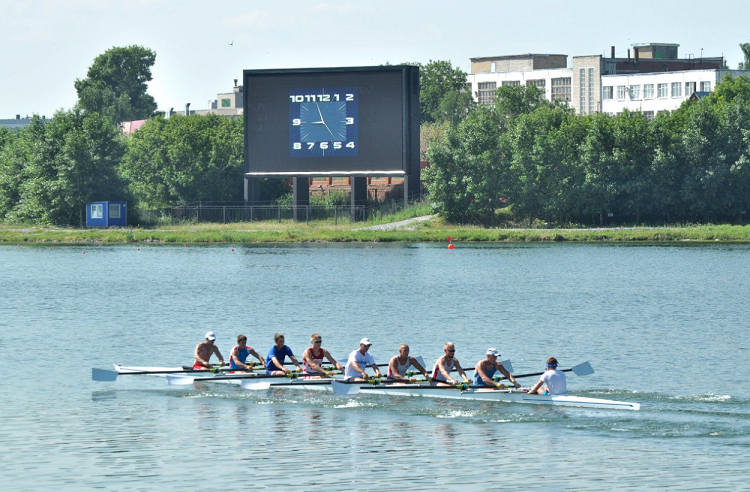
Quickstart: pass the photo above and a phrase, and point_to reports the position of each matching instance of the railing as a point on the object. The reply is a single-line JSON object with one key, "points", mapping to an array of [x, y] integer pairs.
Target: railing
{"points": [[278, 213]]}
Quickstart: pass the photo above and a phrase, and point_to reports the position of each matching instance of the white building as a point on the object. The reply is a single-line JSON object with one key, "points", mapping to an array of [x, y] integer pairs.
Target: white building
{"points": [[582, 85], [652, 93]]}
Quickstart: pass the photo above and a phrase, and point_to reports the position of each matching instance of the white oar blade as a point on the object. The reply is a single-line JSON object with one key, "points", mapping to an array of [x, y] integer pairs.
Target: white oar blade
{"points": [[103, 374], [341, 388], [179, 380], [583, 369], [507, 365], [421, 361], [255, 385]]}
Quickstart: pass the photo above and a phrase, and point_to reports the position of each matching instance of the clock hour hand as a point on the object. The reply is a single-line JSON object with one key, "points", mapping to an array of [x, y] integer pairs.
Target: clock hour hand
{"points": [[322, 120]]}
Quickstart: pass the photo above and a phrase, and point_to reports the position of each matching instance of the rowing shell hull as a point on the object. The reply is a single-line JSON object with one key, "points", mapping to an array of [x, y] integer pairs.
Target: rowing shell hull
{"points": [[311, 383], [498, 395], [323, 384]]}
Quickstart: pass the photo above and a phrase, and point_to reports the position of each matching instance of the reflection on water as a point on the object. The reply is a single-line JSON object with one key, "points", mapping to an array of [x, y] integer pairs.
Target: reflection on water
{"points": [[636, 313]]}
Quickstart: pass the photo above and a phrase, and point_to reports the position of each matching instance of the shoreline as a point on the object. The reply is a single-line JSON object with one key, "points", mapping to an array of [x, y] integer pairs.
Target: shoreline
{"points": [[422, 231]]}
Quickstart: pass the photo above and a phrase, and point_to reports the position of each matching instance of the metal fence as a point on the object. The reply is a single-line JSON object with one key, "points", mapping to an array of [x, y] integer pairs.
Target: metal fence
{"points": [[251, 213]]}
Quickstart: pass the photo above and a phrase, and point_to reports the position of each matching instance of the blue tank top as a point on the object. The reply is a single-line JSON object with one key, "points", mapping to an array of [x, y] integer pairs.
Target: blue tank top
{"points": [[241, 355], [478, 379]]}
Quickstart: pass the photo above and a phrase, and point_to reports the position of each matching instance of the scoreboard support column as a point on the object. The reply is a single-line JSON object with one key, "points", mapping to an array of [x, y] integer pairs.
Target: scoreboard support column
{"points": [[301, 193], [359, 198]]}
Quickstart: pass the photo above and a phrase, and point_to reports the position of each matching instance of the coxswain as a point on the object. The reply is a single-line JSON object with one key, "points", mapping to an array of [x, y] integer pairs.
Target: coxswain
{"points": [[552, 382]]}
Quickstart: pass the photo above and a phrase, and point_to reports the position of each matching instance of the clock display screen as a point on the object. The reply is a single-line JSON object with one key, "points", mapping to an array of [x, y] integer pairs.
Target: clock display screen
{"points": [[324, 122]]}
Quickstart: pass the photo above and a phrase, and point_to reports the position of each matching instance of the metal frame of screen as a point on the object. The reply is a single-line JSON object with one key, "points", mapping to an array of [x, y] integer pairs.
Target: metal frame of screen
{"points": [[370, 113]]}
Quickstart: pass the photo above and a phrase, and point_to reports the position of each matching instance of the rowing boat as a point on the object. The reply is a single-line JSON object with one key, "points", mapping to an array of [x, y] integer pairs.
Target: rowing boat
{"points": [[481, 394], [338, 386]]}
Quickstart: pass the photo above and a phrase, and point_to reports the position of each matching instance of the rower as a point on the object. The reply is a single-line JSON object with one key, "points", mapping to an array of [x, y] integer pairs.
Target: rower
{"points": [[441, 373], [486, 368], [204, 351], [400, 363], [358, 362], [277, 356], [313, 357], [238, 357], [553, 379]]}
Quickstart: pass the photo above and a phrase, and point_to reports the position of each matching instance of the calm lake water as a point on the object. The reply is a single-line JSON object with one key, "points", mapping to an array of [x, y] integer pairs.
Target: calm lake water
{"points": [[665, 326]]}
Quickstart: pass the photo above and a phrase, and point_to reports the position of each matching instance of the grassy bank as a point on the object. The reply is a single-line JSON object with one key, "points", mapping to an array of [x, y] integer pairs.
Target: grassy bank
{"points": [[434, 230]]}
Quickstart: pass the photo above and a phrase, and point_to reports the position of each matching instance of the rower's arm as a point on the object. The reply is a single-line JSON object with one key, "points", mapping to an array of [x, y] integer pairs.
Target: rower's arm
{"points": [[218, 354], [507, 374], [333, 361], [358, 369], [296, 362], [536, 387], [376, 369], [277, 365], [257, 356], [419, 367], [460, 370]]}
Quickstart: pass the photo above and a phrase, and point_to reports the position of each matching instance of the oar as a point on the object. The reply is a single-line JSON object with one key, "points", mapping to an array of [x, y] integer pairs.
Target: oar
{"points": [[107, 375], [582, 369], [179, 379]]}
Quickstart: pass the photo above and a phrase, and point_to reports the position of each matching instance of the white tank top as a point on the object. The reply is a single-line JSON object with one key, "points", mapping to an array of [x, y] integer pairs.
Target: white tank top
{"points": [[437, 375], [401, 368]]}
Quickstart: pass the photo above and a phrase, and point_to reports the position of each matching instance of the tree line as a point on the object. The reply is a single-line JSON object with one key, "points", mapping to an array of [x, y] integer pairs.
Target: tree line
{"points": [[529, 159]]}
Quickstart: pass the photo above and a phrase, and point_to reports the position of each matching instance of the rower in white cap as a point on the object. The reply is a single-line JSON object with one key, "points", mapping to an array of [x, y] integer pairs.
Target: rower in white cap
{"points": [[358, 362], [203, 352], [486, 368]]}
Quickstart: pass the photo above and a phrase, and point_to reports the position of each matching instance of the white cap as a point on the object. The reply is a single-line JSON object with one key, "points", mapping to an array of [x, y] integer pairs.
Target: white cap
{"points": [[365, 341], [210, 336], [493, 351]]}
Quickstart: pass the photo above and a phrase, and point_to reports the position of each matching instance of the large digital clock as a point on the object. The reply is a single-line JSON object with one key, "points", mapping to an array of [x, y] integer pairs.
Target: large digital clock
{"points": [[323, 122]]}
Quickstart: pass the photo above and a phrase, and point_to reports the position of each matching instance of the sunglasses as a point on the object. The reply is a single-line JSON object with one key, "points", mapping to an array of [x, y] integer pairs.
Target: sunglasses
{"points": [[317, 340]]}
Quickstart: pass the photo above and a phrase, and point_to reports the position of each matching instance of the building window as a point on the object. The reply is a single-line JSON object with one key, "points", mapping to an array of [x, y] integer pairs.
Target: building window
{"points": [[689, 88], [537, 83], [649, 115], [486, 92], [226, 103], [582, 91], [621, 91], [706, 86], [114, 211], [662, 90], [635, 92], [561, 89], [648, 91], [511, 83], [676, 89], [97, 211], [607, 92]]}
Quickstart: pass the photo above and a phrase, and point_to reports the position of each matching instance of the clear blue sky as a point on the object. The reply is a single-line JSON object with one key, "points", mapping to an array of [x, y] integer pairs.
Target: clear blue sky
{"points": [[46, 44]]}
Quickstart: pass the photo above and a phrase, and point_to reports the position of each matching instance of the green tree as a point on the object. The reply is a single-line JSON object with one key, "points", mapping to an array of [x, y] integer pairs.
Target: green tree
{"points": [[186, 159], [745, 65], [465, 173], [59, 165], [437, 80], [116, 84]]}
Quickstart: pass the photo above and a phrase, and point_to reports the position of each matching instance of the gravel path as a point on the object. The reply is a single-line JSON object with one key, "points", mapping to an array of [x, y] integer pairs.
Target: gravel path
{"points": [[406, 225]]}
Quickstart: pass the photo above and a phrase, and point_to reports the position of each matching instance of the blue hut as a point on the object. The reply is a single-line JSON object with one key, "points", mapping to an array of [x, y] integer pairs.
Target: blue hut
{"points": [[106, 214]]}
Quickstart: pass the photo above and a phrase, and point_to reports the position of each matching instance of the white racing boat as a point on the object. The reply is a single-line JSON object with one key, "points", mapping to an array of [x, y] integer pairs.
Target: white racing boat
{"points": [[482, 394], [259, 381]]}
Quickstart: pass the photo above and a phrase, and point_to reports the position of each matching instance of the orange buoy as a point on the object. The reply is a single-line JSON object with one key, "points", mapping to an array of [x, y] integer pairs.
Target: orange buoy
{"points": [[450, 246]]}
